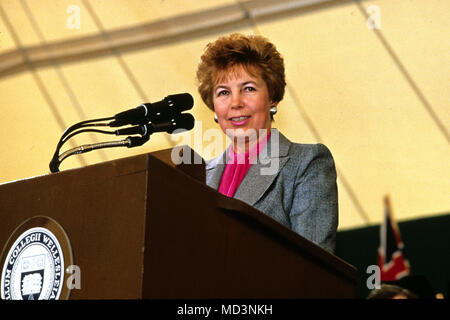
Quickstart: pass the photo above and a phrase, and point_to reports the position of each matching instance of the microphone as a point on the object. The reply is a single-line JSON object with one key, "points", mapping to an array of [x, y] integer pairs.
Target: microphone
{"points": [[182, 121], [158, 112]]}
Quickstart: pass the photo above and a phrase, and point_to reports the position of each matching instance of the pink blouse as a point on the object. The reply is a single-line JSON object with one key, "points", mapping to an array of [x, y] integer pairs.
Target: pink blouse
{"points": [[237, 167]]}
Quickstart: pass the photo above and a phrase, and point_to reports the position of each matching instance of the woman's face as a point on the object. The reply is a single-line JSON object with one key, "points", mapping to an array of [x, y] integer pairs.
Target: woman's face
{"points": [[241, 101]]}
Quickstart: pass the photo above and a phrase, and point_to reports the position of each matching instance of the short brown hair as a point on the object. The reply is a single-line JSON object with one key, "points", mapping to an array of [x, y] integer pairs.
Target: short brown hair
{"points": [[388, 291], [254, 53]]}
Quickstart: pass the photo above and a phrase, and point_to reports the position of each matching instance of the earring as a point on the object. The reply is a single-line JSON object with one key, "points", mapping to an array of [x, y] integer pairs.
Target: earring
{"points": [[215, 118], [273, 110]]}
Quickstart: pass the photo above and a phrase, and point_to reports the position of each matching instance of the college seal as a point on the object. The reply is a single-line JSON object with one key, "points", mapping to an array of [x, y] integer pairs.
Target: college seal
{"points": [[33, 267]]}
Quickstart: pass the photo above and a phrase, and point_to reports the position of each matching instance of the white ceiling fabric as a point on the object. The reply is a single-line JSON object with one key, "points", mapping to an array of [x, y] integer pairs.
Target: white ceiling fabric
{"points": [[369, 79]]}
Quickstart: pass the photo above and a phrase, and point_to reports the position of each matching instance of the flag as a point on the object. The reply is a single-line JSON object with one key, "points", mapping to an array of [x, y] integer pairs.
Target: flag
{"points": [[391, 259]]}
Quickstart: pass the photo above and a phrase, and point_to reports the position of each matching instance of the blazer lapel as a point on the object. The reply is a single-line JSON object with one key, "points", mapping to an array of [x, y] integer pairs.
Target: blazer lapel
{"points": [[214, 170], [267, 167]]}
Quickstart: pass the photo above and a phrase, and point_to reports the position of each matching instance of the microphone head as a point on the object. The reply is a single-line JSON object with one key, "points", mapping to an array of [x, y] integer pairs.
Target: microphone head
{"points": [[183, 121], [180, 102], [180, 121]]}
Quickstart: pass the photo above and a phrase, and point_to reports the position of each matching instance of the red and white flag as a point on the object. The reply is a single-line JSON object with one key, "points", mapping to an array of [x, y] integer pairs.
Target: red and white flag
{"points": [[391, 259]]}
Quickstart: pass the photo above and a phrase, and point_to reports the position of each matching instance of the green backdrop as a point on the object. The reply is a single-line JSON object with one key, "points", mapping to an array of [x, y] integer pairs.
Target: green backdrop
{"points": [[427, 247]]}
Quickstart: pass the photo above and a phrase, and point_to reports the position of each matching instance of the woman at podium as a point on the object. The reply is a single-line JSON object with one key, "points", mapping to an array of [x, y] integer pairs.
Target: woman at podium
{"points": [[242, 79]]}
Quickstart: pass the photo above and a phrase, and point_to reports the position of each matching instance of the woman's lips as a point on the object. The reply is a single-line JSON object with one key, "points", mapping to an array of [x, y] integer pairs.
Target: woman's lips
{"points": [[239, 121]]}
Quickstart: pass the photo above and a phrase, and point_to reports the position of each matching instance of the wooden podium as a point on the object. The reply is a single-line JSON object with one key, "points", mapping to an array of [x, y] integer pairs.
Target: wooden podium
{"points": [[143, 228]]}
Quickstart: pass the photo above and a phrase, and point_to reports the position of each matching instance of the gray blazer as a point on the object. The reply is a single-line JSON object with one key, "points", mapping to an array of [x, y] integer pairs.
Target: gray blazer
{"points": [[293, 183]]}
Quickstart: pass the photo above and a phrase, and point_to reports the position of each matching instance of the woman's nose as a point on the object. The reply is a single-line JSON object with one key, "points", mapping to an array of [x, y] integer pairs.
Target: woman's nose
{"points": [[236, 100]]}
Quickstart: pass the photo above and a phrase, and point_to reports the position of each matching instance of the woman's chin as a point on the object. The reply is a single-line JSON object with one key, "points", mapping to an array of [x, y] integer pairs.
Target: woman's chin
{"points": [[241, 133]]}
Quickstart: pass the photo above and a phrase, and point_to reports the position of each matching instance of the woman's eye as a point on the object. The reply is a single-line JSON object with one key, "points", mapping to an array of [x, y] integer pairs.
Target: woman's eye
{"points": [[222, 93], [249, 89]]}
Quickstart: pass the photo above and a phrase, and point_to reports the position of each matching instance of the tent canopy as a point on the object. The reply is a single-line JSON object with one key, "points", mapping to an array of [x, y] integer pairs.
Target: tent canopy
{"points": [[369, 79]]}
